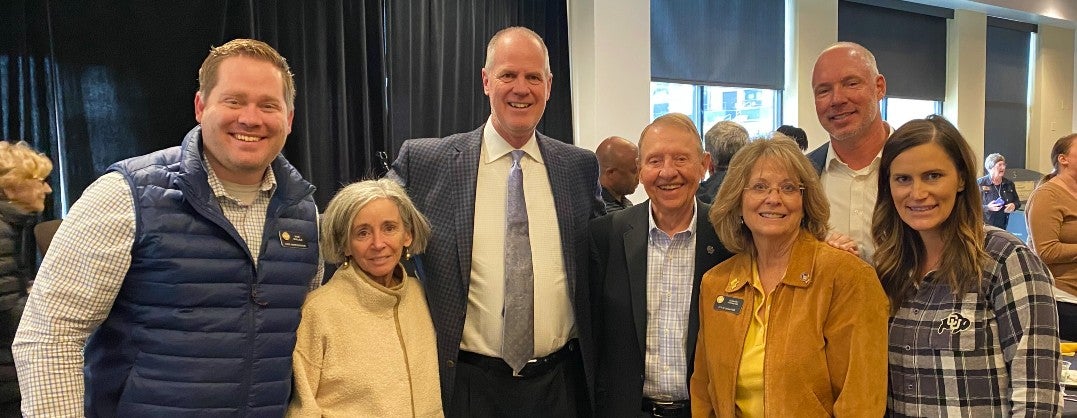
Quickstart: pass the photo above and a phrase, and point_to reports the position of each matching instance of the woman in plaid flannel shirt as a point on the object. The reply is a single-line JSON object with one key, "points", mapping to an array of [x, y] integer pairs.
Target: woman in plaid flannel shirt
{"points": [[976, 335]]}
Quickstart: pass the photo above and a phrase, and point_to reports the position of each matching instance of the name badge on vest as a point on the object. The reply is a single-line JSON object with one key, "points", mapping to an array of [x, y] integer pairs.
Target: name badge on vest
{"points": [[292, 240], [729, 304]]}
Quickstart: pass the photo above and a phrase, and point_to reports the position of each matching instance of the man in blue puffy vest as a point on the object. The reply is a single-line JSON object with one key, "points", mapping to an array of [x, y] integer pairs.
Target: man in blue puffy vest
{"points": [[182, 271]]}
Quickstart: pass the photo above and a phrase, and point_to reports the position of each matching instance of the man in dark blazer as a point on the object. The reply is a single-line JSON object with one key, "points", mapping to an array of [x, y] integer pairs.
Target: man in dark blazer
{"points": [[459, 183], [646, 312]]}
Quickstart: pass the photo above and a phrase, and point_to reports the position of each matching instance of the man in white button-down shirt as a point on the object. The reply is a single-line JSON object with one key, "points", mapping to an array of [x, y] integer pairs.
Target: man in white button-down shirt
{"points": [[847, 88]]}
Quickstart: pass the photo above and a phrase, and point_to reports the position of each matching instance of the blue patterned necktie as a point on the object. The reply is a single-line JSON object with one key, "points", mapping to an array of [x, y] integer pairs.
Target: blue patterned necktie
{"points": [[518, 338]]}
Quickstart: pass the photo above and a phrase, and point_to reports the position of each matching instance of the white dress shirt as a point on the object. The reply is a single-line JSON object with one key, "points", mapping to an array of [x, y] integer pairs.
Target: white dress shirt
{"points": [[852, 199], [554, 321]]}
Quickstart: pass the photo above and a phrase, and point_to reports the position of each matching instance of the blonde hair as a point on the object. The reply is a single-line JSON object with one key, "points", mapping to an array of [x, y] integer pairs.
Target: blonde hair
{"points": [[251, 48], [779, 149], [19, 163], [338, 216]]}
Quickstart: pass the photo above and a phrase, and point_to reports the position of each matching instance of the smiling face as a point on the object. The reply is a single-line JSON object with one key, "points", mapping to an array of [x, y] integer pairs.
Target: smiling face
{"points": [[924, 183], [777, 214], [518, 83], [244, 119], [847, 92], [672, 163], [377, 239]]}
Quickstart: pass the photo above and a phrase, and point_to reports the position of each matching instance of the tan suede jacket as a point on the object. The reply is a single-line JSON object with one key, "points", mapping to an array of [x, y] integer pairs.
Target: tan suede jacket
{"points": [[826, 337]]}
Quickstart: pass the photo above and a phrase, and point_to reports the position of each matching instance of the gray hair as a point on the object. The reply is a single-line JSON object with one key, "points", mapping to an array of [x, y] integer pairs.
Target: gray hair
{"points": [[342, 209], [993, 159], [723, 140]]}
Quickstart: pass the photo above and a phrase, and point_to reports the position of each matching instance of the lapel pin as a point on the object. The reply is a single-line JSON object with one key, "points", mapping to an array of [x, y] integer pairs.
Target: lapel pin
{"points": [[732, 284], [805, 278], [710, 249]]}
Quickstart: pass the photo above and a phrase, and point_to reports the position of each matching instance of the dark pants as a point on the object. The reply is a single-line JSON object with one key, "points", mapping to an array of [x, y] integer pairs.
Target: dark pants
{"points": [[9, 391], [1067, 321], [481, 392]]}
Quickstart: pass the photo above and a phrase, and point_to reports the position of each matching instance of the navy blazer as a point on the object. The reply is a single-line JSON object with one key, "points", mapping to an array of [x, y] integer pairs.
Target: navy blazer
{"points": [[618, 284], [439, 175], [818, 157]]}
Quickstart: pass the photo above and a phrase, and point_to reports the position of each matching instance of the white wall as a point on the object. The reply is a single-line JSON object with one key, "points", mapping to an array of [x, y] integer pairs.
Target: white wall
{"points": [[610, 55], [966, 57], [1051, 112], [812, 25]]}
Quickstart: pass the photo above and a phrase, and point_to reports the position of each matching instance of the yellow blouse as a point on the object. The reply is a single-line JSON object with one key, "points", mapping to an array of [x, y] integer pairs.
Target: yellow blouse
{"points": [[750, 376]]}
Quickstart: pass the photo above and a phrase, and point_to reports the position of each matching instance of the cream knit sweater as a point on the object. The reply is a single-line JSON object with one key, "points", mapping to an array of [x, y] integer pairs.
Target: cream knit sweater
{"points": [[364, 350]]}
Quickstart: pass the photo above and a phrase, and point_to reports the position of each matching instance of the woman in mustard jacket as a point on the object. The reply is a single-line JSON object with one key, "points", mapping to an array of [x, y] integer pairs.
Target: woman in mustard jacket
{"points": [[789, 326]]}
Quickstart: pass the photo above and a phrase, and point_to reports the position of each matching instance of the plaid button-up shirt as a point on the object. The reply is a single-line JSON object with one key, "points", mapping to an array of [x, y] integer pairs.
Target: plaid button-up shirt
{"points": [[993, 353], [670, 264]]}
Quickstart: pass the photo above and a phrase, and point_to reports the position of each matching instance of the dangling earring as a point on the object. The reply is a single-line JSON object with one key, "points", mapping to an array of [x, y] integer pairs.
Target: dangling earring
{"points": [[407, 253], [347, 258]]}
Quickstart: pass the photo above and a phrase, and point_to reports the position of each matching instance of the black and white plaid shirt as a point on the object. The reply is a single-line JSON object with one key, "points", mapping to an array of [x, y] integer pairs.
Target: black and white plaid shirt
{"points": [[994, 353]]}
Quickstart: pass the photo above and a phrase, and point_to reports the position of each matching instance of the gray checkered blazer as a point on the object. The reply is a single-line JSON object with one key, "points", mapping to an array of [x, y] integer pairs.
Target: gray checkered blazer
{"points": [[439, 175]]}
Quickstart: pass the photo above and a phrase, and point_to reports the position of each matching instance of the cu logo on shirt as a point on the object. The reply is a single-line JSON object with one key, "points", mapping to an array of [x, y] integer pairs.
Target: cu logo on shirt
{"points": [[955, 323]]}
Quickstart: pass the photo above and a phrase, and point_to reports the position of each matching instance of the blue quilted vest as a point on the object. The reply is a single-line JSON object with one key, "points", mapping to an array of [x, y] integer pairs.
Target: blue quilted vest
{"points": [[197, 329]]}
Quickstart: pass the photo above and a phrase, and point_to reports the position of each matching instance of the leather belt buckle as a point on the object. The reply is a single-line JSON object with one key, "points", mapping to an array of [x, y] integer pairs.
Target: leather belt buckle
{"points": [[664, 409], [523, 372]]}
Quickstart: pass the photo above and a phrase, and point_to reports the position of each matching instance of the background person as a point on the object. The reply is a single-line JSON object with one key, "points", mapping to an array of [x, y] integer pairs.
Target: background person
{"points": [[365, 345], [176, 279], [23, 187], [997, 192], [797, 134], [975, 335], [723, 140], [1052, 230], [618, 172], [789, 326]]}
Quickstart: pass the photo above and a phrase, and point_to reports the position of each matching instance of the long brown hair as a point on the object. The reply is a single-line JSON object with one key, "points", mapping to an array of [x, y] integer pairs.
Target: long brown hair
{"points": [[1061, 146], [899, 248]]}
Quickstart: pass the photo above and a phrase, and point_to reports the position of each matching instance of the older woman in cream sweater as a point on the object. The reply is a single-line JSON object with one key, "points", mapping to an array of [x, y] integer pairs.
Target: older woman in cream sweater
{"points": [[365, 346]]}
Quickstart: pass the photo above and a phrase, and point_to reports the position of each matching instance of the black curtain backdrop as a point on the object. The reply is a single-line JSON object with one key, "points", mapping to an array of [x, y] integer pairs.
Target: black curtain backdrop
{"points": [[93, 82], [1006, 98], [437, 49]]}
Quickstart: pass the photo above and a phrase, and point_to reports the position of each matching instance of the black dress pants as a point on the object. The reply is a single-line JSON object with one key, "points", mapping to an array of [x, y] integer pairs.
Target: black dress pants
{"points": [[483, 389]]}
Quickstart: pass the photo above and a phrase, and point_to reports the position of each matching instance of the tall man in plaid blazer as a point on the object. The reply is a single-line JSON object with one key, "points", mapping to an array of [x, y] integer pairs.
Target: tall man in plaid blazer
{"points": [[459, 183]]}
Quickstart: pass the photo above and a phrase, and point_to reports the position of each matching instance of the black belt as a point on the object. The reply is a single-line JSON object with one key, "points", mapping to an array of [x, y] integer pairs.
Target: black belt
{"points": [[534, 367], [671, 409]]}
